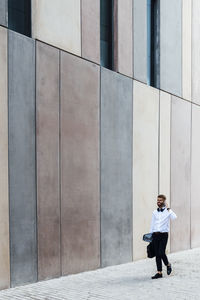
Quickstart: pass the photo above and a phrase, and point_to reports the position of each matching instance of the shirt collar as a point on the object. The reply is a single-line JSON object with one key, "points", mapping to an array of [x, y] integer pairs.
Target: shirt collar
{"points": [[163, 208]]}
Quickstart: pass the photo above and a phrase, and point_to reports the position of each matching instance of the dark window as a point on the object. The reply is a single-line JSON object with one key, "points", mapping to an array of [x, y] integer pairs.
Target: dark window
{"points": [[107, 33], [153, 43], [19, 16]]}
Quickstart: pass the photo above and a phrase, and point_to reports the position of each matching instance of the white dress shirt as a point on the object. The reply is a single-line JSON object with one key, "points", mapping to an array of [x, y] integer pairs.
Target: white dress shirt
{"points": [[161, 219]]}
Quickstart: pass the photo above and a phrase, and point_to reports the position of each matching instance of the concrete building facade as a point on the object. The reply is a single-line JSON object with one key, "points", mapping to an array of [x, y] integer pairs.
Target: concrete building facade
{"points": [[89, 137]]}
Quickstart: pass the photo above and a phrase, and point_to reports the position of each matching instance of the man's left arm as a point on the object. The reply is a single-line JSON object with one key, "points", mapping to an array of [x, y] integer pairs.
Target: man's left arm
{"points": [[173, 216]]}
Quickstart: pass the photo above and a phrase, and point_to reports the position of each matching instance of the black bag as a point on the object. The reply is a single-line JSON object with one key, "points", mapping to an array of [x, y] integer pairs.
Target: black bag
{"points": [[150, 250]]}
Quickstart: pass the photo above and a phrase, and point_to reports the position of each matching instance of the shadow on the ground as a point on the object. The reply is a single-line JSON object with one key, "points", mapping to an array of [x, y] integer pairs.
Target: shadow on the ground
{"points": [[128, 281], [131, 281]]}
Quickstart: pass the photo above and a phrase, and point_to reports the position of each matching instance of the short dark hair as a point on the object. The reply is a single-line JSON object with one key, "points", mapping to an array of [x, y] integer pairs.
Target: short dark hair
{"points": [[162, 196]]}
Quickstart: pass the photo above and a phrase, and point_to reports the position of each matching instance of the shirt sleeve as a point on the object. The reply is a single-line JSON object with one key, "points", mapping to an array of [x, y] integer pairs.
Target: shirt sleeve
{"points": [[152, 223], [173, 216]]}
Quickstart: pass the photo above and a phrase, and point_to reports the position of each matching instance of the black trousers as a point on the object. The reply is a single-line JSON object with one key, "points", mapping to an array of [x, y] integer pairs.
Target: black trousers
{"points": [[160, 242]]}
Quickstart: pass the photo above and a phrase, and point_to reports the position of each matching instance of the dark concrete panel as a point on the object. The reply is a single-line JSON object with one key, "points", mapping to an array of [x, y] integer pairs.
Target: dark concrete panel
{"points": [[80, 200], [116, 168], [180, 173], [48, 195], [22, 188], [4, 12]]}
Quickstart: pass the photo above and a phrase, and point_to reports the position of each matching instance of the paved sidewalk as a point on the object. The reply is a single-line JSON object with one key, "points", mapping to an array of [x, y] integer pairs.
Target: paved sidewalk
{"points": [[125, 282]]}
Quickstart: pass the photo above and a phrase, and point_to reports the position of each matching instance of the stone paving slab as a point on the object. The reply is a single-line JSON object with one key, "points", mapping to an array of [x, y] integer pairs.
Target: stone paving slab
{"points": [[130, 281]]}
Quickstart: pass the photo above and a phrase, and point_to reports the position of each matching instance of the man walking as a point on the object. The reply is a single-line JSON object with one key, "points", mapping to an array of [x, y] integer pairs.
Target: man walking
{"points": [[160, 228]]}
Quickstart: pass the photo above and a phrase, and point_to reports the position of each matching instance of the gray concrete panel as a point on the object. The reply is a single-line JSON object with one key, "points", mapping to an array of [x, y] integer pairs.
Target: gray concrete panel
{"points": [[180, 173], [48, 187], [91, 30], [140, 40], [22, 185], [116, 168], [4, 12], [80, 195], [171, 46]]}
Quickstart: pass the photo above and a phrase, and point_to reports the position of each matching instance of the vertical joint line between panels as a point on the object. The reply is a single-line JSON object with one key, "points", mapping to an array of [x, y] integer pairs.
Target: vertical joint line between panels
{"points": [[8, 151], [191, 80], [115, 34], [59, 151], [132, 168], [36, 191], [170, 162], [132, 40], [100, 167], [191, 177], [159, 143], [191, 29], [182, 50], [81, 25]]}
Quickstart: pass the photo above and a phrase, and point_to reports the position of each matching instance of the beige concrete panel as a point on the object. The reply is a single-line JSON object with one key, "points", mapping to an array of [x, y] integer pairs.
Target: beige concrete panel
{"points": [[195, 51], [187, 49], [164, 148], [48, 185], [145, 162], [180, 173], [4, 211], [195, 178], [57, 23], [91, 30], [125, 37], [80, 178]]}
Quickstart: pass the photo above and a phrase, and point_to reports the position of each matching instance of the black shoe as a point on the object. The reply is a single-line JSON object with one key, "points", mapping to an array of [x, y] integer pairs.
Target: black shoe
{"points": [[158, 275], [169, 269]]}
